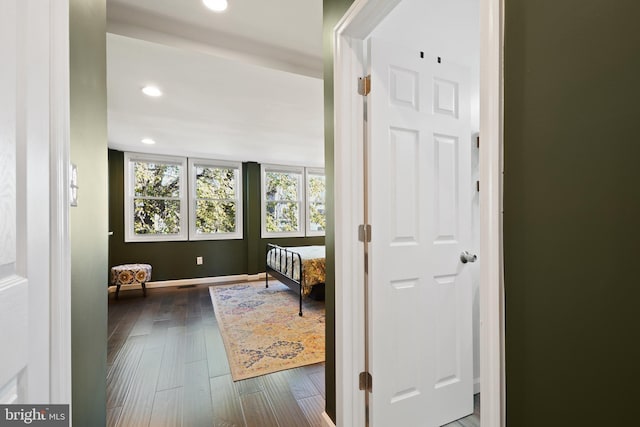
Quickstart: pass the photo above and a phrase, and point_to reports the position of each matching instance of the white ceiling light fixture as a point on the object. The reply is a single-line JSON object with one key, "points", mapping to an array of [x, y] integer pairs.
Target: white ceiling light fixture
{"points": [[148, 141], [216, 5], [152, 91]]}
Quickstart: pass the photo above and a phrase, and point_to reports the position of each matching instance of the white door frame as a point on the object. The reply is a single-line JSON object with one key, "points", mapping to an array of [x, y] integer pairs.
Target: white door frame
{"points": [[60, 245], [358, 22]]}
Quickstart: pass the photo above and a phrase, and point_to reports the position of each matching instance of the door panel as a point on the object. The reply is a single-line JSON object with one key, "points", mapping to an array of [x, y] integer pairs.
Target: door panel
{"points": [[13, 287], [24, 201], [405, 185], [420, 213]]}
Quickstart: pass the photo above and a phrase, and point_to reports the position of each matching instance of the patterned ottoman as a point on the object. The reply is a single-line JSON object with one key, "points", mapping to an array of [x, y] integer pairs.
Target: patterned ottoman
{"points": [[129, 274]]}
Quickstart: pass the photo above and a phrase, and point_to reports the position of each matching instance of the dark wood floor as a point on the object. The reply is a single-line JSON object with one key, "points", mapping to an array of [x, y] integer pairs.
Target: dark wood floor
{"points": [[167, 367]]}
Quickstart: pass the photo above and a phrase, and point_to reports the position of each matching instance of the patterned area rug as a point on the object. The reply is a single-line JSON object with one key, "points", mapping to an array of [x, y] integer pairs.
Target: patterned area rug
{"points": [[262, 331]]}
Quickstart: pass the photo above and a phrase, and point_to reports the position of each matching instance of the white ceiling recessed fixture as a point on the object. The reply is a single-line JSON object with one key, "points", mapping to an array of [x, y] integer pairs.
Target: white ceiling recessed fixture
{"points": [[216, 5], [148, 141], [152, 91]]}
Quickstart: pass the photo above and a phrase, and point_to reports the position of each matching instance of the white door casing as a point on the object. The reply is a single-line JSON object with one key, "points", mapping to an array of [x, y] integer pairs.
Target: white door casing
{"points": [[420, 213]]}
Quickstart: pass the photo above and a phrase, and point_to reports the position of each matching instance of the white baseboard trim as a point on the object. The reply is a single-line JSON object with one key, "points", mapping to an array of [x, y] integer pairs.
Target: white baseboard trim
{"points": [[218, 280], [476, 385], [327, 420]]}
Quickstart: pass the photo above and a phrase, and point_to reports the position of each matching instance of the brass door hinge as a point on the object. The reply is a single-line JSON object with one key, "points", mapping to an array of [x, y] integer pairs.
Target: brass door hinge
{"points": [[364, 85], [364, 233], [366, 381]]}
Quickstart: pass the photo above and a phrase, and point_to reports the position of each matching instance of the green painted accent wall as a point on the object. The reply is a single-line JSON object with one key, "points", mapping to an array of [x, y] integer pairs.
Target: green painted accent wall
{"points": [[88, 221], [571, 212], [177, 260], [333, 10]]}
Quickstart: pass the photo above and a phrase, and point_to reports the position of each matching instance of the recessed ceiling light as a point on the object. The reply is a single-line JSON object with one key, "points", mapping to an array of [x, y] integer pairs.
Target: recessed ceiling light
{"points": [[216, 5], [148, 141], [151, 91]]}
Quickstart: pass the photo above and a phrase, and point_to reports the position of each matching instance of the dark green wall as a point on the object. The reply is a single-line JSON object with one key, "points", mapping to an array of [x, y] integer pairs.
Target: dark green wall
{"points": [[88, 221], [571, 211], [333, 10], [177, 260]]}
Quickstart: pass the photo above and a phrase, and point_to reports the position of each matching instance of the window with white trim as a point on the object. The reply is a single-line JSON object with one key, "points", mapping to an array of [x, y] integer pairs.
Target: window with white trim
{"points": [[293, 201], [215, 203], [316, 195], [155, 198], [282, 201], [156, 207]]}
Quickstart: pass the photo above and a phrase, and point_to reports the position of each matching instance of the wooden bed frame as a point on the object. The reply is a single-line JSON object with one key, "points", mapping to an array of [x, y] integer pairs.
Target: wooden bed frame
{"points": [[283, 254]]}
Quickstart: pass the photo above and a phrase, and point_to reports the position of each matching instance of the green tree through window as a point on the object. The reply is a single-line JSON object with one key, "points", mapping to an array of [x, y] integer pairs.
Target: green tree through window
{"points": [[156, 198], [316, 189], [216, 199], [282, 191]]}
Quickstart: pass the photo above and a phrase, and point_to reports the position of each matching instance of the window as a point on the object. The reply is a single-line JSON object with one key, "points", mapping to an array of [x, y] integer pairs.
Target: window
{"points": [[316, 189], [282, 198], [156, 205], [291, 195], [155, 200], [216, 200]]}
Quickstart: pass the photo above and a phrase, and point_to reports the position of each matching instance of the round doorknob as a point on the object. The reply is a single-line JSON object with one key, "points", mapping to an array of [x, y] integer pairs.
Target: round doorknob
{"points": [[466, 257]]}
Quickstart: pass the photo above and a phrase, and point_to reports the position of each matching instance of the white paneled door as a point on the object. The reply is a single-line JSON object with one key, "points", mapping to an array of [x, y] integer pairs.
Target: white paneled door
{"points": [[24, 201], [420, 212]]}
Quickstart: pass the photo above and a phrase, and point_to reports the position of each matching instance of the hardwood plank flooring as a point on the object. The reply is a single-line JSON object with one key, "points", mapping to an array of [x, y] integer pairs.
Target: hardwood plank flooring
{"points": [[136, 411], [168, 367], [226, 400], [167, 408], [198, 406], [257, 410]]}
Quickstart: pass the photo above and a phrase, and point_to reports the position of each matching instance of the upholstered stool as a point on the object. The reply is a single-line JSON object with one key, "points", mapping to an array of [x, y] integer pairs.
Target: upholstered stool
{"points": [[129, 274]]}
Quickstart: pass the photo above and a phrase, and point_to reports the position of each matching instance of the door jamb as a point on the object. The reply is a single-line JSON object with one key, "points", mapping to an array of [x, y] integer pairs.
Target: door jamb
{"points": [[358, 22], [60, 246]]}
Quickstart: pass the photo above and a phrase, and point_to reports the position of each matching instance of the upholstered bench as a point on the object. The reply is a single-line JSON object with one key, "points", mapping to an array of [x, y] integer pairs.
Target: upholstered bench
{"points": [[129, 274]]}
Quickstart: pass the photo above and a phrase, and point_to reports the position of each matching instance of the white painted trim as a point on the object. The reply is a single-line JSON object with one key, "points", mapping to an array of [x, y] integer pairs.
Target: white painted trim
{"points": [[264, 168], [357, 23], [239, 185], [210, 281], [349, 213], [32, 152], [492, 387], [60, 249], [129, 182], [326, 420]]}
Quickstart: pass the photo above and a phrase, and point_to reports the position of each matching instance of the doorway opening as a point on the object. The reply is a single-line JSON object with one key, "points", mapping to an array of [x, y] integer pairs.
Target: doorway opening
{"points": [[465, 32]]}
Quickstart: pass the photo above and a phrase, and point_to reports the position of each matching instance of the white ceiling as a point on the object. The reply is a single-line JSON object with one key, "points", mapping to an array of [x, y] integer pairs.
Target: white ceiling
{"points": [[241, 85]]}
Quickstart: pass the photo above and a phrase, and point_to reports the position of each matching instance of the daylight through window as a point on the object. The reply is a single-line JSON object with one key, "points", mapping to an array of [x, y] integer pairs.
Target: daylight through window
{"points": [[283, 197], [293, 201], [162, 204], [156, 198], [316, 189], [216, 200]]}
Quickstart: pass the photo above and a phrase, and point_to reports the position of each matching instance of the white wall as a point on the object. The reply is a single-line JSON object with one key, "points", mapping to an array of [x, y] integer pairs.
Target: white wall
{"points": [[449, 29]]}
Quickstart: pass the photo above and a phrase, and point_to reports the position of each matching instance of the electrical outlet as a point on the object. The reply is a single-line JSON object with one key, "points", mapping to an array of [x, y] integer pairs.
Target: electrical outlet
{"points": [[199, 260]]}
